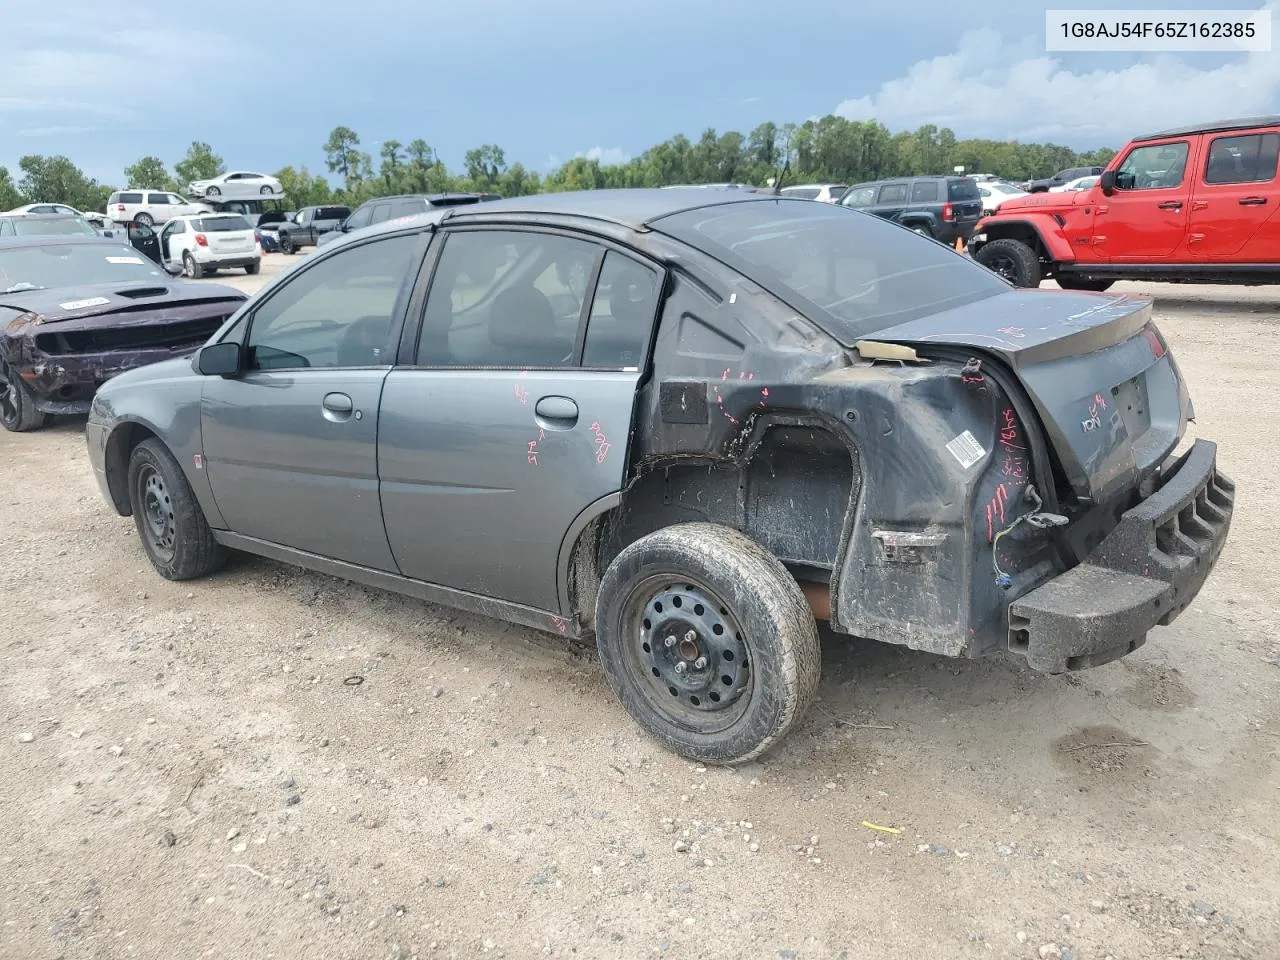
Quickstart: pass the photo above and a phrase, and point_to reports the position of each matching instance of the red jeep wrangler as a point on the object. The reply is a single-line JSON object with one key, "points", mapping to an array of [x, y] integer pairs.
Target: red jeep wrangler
{"points": [[1195, 205]]}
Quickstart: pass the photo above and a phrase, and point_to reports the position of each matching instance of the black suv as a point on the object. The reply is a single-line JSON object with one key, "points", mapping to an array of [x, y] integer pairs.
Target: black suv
{"points": [[380, 209], [944, 208], [1061, 177]]}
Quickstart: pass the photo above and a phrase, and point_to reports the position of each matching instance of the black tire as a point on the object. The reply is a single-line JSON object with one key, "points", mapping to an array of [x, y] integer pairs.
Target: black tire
{"points": [[265, 191], [252, 268], [18, 413], [286, 244], [1069, 282], [213, 192], [171, 525], [728, 604], [191, 268], [1013, 260], [145, 219]]}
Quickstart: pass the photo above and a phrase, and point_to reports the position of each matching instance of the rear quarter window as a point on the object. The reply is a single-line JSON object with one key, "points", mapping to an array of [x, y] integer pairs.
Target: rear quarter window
{"points": [[924, 191]]}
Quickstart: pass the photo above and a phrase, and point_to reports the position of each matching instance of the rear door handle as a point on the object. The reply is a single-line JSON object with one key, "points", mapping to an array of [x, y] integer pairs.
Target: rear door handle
{"points": [[1170, 205], [1252, 201], [557, 411], [337, 406]]}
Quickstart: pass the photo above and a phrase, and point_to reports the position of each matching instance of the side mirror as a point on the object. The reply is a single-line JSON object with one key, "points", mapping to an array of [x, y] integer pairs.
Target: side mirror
{"points": [[1107, 181], [219, 360]]}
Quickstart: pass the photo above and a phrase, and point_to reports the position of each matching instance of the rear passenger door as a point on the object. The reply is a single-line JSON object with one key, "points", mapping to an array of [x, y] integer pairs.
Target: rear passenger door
{"points": [[510, 411], [891, 201], [1235, 202]]}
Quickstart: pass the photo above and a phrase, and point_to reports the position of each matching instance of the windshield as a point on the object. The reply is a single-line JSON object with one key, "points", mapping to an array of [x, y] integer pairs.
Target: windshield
{"points": [[38, 227], [55, 265], [220, 224], [850, 272]]}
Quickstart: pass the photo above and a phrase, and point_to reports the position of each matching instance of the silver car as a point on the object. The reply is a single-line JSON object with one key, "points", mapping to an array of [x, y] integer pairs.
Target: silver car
{"points": [[691, 423]]}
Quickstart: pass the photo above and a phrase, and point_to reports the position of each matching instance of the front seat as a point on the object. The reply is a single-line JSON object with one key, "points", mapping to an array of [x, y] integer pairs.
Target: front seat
{"points": [[364, 344], [522, 328]]}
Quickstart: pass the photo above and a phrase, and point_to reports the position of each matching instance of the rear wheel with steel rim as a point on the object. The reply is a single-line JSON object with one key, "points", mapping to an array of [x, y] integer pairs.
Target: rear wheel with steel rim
{"points": [[286, 244], [190, 267], [18, 412], [145, 219], [170, 523], [708, 642]]}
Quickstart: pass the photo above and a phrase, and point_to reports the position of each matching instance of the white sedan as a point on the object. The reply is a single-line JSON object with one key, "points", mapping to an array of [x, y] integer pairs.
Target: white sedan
{"points": [[1076, 185], [996, 192], [236, 185], [97, 219]]}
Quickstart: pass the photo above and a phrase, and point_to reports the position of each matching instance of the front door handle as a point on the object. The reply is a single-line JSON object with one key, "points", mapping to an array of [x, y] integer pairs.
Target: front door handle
{"points": [[1170, 205], [337, 406], [557, 411], [1252, 201]]}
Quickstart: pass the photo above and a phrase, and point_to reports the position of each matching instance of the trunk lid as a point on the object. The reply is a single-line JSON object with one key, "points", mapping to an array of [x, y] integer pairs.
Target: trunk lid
{"points": [[1108, 392]]}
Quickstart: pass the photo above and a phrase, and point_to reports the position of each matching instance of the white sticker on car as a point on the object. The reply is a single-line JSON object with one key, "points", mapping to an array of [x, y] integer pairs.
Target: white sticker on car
{"points": [[123, 260], [966, 449], [81, 304]]}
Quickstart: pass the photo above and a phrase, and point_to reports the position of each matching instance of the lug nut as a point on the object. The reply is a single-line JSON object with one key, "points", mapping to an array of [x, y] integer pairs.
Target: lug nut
{"points": [[670, 641], [700, 663], [680, 667], [691, 636]]}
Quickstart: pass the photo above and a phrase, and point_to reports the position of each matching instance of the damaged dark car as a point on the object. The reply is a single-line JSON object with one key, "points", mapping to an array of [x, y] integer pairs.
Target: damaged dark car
{"points": [[690, 424], [78, 310]]}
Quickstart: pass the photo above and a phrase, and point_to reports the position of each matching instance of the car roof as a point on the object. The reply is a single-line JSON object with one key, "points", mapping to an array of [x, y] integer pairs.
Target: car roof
{"points": [[634, 208], [39, 216], [57, 239], [1242, 123]]}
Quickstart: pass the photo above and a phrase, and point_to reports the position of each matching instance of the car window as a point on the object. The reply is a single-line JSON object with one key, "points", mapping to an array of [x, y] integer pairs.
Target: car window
{"points": [[158, 199], [859, 197], [924, 191], [622, 310], [39, 227], [332, 213], [381, 212], [803, 193], [407, 208], [1152, 167], [336, 314], [1247, 159], [130, 198], [507, 299], [836, 189], [221, 224], [6, 228], [174, 198], [360, 218], [853, 274], [893, 193]]}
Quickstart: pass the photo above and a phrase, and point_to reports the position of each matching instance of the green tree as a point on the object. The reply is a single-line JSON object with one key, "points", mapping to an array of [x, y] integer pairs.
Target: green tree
{"points": [[200, 163], [341, 153], [303, 189], [58, 180], [148, 172], [9, 195], [392, 163], [485, 165]]}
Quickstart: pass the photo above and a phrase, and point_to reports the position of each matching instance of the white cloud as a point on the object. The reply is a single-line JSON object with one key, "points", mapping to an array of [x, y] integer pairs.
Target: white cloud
{"points": [[607, 156], [991, 87]]}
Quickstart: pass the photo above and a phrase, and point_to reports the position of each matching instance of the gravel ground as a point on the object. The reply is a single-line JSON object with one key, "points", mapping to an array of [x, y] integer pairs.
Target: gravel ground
{"points": [[192, 770]]}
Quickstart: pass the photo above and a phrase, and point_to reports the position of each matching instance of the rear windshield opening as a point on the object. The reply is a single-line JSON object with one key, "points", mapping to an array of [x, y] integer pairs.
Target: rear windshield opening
{"points": [[221, 224], [850, 272], [962, 190]]}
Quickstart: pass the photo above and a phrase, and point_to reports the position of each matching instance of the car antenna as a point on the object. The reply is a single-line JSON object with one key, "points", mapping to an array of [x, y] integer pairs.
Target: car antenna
{"points": [[782, 175]]}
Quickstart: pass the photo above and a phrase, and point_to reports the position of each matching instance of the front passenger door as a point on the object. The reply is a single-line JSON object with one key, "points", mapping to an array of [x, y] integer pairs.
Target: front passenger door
{"points": [[290, 444]]}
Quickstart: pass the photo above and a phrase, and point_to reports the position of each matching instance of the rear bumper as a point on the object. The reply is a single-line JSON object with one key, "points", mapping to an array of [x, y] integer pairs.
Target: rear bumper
{"points": [[226, 262], [1145, 573]]}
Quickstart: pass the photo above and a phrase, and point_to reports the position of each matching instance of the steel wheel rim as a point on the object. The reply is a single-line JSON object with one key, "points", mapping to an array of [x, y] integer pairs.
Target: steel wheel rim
{"points": [[8, 397], [669, 621], [158, 523]]}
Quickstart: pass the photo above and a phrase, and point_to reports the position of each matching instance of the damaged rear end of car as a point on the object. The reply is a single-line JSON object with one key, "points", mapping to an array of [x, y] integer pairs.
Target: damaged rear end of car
{"points": [[973, 468]]}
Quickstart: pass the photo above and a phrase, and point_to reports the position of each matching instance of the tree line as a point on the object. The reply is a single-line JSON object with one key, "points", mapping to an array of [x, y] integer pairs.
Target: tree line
{"points": [[831, 149]]}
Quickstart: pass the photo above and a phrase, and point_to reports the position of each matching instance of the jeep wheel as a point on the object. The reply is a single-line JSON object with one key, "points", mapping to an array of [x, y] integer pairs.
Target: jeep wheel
{"points": [[708, 642], [18, 412], [170, 523], [1013, 260], [1069, 282]]}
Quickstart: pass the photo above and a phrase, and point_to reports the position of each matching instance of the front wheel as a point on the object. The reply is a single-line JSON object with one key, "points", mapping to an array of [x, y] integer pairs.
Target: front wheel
{"points": [[266, 191], [708, 641], [170, 523], [1013, 260], [18, 412], [213, 192], [1069, 282], [286, 244]]}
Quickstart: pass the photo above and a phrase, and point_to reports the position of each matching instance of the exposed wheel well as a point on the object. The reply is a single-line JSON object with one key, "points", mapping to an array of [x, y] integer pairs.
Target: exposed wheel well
{"points": [[1023, 232], [119, 448], [793, 492]]}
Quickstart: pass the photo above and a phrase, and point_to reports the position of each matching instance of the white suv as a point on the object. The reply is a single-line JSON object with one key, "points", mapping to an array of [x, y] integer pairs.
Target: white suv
{"points": [[202, 244], [822, 192], [150, 207]]}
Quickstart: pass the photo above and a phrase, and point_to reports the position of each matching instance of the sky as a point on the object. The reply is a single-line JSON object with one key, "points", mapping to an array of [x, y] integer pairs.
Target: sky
{"points": [[264, 83]]}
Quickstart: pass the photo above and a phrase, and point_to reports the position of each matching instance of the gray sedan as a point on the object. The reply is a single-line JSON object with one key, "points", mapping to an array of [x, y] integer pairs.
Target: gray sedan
{"points": [[690, 423]]}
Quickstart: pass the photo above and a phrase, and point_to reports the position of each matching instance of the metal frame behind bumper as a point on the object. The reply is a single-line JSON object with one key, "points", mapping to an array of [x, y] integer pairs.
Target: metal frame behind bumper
{"points": [[1145, 573]]}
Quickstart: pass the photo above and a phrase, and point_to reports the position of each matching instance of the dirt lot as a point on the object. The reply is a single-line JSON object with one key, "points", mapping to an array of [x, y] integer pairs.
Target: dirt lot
{"points": [[185, 773]]}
